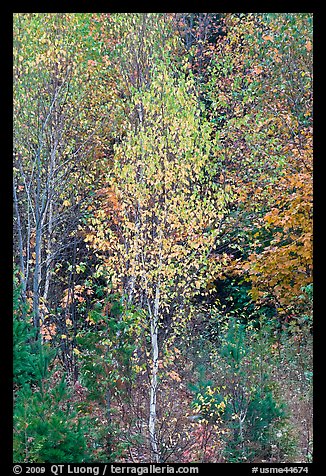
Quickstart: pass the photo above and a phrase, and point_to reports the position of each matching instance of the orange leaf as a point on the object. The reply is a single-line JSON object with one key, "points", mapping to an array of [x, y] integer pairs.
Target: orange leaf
{"points": [[308, 45]]}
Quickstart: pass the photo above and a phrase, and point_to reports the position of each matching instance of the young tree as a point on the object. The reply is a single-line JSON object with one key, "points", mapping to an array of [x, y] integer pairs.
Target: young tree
{"points": [[165, 220], [56, 127]]}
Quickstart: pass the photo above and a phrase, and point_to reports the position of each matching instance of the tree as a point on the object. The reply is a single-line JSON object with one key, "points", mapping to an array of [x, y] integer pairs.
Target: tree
{"points": [[163, 218], [56, 127], [45, 425], [260, 91]]}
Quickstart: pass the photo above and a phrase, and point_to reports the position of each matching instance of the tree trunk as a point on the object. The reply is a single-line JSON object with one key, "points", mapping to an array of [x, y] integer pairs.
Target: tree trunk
{"points": [[48, 271], [109, 418], [154, 372], [37, 276], [20, 242]]}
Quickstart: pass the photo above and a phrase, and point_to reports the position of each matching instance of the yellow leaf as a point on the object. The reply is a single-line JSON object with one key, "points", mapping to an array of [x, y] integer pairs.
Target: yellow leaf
{"points": [[63, 336], [174, 376], [308, 45], [268, 38], [257, 69]]}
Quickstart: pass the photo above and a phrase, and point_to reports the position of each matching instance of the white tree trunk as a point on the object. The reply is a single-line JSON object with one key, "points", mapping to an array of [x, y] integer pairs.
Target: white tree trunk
{"points": [[153, 389], [37, 277]]}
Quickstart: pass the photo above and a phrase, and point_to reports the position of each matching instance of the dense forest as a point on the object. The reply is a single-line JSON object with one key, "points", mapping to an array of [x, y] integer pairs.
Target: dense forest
{"points": [[162, 203]]}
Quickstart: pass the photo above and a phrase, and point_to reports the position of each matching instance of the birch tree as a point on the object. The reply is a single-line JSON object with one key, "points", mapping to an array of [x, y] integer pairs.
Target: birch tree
{"points": [[54, 133], [164, 225]]}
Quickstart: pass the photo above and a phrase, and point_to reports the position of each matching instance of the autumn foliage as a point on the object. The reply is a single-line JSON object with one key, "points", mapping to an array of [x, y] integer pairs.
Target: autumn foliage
{"points": [[163, 237]]}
